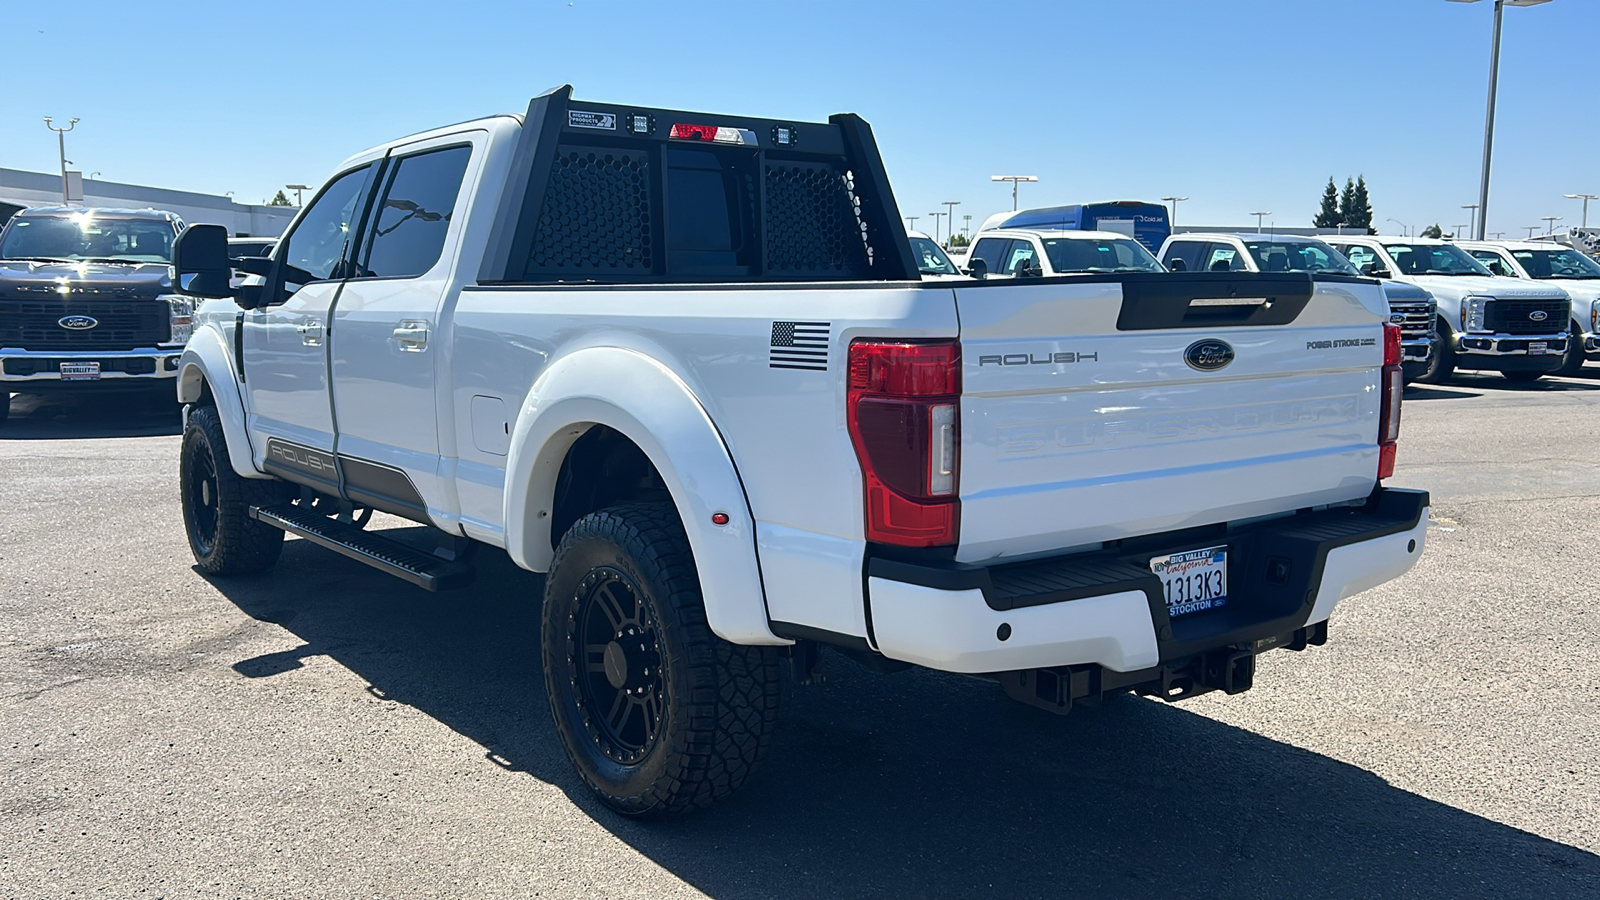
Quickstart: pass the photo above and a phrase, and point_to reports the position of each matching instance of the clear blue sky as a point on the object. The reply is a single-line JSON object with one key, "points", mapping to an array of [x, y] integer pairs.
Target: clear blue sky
{"points": [[1240, 104]]}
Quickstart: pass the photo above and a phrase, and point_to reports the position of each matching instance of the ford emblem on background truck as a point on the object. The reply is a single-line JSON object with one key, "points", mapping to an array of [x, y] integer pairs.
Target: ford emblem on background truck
{"points": [[78, 323]]}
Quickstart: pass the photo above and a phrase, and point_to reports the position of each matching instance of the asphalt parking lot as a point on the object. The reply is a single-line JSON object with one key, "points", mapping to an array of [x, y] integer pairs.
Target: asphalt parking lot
{"points": [[325, 731]]}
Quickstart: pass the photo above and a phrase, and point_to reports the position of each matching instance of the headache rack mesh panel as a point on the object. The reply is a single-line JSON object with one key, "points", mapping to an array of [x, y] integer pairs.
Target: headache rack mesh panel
{"points": [[812, 222], [595, 218]]}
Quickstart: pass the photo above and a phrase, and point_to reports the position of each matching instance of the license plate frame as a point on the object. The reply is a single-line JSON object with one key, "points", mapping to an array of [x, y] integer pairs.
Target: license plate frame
{"points": [[1538, 348], [1193, 581], [80, 371]]}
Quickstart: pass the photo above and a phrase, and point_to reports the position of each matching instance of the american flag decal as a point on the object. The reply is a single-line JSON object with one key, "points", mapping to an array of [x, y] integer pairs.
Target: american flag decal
{"points": [[799, 345]]}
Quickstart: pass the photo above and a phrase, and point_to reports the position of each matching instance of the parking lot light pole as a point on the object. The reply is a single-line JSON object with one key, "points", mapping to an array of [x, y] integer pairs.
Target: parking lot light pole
{"points": [[61, 146], [299, 199], [1173, 218], [1585, 198], [1015, 180], [1531, 229], [1550, 223], [1259, 216], [936, 217], [950, 210], [911, 222], [1405, 230], [1472, 212], [966, 227], [1488, 119]]}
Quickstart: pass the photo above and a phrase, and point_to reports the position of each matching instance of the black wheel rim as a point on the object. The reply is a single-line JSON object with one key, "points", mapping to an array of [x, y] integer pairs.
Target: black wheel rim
{"points": [[614, 659], [202, 501]]}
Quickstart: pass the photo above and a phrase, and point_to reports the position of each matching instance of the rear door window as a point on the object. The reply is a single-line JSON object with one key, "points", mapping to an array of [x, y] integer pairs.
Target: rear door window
{"points": [[1225, 258], [1020, 254], [414, 214]]}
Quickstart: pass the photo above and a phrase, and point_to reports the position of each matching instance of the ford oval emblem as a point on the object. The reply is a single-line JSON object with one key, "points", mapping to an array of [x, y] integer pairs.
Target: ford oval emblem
{"points": [[78, 323], [1538, 315], [1397, 318], [1208, 355]]}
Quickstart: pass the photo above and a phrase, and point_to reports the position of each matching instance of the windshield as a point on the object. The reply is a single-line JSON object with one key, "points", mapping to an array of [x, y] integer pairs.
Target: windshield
{"points": [[1561, 263], [1434, 259], [930, 259], [83, 236], [1099, 255], [1298, 256]]}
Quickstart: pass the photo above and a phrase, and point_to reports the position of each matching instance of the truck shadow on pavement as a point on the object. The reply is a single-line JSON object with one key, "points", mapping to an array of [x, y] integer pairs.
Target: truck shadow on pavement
{"points": [[45, 417], [924, 784]]}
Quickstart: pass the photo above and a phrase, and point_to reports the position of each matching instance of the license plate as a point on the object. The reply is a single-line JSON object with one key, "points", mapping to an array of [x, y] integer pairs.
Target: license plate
{"points": [[80, 371], [1195, 580], [1538, 348]]}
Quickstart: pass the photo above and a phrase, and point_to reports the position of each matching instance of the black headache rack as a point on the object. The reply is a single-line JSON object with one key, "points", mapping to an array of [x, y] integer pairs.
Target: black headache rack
{"points": [[1274, 572], [615, 194]]}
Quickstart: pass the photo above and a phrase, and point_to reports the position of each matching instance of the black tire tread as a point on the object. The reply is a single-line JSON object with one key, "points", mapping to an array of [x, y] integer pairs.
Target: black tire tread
{"points": [[243, 546], [735, 689], [1441, 366], [1573, 363]]}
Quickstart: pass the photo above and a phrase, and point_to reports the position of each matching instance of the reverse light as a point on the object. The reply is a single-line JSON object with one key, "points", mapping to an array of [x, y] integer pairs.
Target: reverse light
{"points": [[904, 419], [1392, 381], [1474, 313], [720, 134], [180, 311]]}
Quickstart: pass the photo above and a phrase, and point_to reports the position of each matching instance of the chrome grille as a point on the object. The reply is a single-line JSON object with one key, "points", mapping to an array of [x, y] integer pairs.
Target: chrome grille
{"points": [[123, 324], [1415, 317]]}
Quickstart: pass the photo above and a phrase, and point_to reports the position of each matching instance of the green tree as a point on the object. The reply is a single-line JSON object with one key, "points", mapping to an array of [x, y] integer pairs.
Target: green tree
{"points": [[1359, 215], [960, 240], [1433, 231], [280, 199], [1328, 215], [1347, 202]]}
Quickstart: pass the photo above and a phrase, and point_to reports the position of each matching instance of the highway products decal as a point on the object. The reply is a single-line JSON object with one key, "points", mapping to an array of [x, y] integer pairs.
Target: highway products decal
{"points": [[577, 118], [799, 345]]}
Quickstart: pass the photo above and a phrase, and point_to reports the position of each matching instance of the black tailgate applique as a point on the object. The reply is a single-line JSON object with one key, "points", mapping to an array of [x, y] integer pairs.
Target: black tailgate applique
{"points": [[799, 345]]}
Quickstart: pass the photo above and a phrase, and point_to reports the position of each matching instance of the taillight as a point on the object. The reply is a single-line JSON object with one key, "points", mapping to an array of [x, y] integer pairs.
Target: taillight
{"points": [[1393, 383], [905, 422]]}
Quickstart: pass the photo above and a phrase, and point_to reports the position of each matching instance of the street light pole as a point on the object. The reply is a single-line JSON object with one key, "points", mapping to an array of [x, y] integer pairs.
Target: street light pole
{"points": [[1405, 230], [911, 222], [1488, 118], [966, 227], [1585, 198], [936, 217], [1173, 218], [1015, 180], [1472, 211], [950, 210], [1259, 216], [299, 199], [61, 145], [1552, 220]]}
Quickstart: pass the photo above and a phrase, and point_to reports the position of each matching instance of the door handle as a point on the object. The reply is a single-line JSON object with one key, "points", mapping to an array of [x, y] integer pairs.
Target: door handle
{"points": [[412, 335], [310, 333]]}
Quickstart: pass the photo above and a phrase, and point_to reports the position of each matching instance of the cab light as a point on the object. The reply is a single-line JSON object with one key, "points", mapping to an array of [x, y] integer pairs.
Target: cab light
{"points": [[720, 134]]}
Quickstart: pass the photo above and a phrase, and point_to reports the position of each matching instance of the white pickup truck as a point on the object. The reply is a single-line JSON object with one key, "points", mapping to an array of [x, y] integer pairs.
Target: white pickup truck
{"points": [[682, 363], [1564, 267], [1485, 322]]}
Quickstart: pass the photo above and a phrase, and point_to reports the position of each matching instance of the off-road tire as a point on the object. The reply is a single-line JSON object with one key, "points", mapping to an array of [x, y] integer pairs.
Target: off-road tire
{"points": [[216, 503], [1573, 364], [1442, 365], [715, 703]]}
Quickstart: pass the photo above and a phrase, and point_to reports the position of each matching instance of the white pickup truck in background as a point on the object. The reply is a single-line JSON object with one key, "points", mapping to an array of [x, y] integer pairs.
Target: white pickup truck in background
{"points": [[1498, 324], [1032, 253], [1563, 267], [683, 364], [1410, 307]]}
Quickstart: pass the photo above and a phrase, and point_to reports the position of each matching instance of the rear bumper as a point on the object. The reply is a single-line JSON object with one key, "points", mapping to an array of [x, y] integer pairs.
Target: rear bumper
{"points": [[1106, 609], [30, 371]]}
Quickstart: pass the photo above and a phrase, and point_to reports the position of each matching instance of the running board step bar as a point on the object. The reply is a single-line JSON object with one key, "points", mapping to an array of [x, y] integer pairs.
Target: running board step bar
{"points": [[385, 554]]}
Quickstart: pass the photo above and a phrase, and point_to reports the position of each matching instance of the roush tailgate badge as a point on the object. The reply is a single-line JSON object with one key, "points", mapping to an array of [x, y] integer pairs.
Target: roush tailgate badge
{"points": [[1208, 355]]}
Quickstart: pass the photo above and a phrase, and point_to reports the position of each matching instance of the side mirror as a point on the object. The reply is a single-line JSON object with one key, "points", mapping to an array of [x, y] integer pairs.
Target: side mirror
{"points": [[978, 268], [200, 262], [1176, 264], [1375, 270], [1030, 269]]}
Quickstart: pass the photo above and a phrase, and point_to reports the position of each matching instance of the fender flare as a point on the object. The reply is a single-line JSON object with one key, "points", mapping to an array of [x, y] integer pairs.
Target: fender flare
{"points": [[207, 360], [647, 403]]}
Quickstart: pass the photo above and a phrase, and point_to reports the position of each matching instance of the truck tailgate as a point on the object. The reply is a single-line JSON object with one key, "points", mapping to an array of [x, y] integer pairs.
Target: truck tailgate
{"points": [[1103, 408]]}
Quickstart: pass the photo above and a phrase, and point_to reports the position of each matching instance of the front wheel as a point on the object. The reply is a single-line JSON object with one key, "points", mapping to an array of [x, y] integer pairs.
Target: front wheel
{"points": [[216, 503], [1573, 363], [657, 713], [1442, 364]]}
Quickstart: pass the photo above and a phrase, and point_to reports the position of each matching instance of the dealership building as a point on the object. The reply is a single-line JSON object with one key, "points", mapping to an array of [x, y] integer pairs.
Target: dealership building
{"points": [[19, 190]]}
